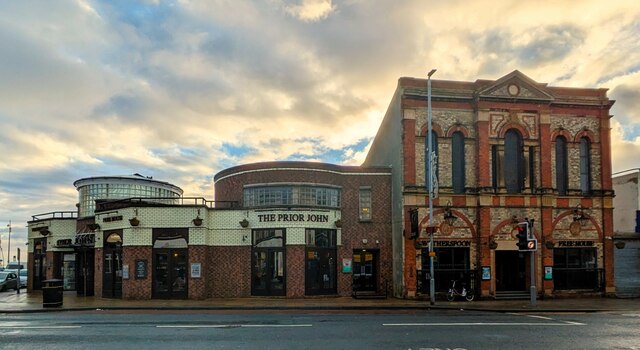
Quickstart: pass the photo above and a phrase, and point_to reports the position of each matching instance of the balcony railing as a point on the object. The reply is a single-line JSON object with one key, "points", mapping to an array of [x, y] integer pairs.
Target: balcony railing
{"points": [[102, 205], [55, 215]]}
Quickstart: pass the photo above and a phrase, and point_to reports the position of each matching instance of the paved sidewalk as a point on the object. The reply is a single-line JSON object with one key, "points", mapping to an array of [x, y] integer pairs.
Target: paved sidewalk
{"points": [[10, 302]]}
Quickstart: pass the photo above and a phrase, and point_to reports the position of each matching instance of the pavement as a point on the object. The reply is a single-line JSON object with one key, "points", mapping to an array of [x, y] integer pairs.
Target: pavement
{"points": [[11, 302]]}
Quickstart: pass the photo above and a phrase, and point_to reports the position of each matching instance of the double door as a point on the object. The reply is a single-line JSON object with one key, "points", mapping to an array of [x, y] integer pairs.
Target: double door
{"points": [[268, 272], [170, 273], [365, 270]]}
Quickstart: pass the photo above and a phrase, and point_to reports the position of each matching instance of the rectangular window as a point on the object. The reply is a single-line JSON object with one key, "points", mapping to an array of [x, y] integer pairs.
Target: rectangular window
{"points": [[365, 204], [575, 268]]}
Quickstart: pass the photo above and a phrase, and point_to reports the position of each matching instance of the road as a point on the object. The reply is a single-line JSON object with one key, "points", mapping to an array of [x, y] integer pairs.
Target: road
{"points": [[118, 330]]}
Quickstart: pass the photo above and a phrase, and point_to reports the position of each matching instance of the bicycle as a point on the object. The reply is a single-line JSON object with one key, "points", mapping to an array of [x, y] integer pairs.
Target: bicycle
{"points": [[468, 294]]}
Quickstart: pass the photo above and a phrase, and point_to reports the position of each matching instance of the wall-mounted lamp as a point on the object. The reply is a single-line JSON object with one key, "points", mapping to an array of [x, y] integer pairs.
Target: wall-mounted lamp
{"points": [[244, 223], [580, 215], [449, 218], [338, 223]]}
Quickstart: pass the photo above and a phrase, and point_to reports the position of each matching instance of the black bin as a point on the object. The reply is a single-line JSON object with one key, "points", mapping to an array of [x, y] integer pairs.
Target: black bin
{"points": [[52, 293]]}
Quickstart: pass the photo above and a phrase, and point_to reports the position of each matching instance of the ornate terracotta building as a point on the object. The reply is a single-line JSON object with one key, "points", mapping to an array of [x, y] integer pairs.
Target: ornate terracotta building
{"points": [[507, 150]]}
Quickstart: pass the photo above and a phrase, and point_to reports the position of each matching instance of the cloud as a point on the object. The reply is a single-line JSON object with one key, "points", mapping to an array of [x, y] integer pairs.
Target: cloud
{"points": [[311, 10], [180, 90]]}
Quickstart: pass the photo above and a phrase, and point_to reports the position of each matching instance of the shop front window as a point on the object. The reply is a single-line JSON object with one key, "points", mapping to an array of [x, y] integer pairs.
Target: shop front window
{"points": [[575, 268]]}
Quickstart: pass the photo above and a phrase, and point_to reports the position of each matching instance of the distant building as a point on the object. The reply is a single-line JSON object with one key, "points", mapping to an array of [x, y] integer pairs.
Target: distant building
{"points": [[626, 220], [507, 150]]}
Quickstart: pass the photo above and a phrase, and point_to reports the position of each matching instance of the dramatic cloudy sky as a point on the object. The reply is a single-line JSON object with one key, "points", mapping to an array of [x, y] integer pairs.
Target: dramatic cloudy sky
{"points": [[179, 90]]}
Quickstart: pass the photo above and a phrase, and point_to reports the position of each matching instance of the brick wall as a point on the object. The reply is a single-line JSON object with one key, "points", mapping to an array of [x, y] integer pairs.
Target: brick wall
{"points": [[198, 286], [230, 271], [133, 288]]}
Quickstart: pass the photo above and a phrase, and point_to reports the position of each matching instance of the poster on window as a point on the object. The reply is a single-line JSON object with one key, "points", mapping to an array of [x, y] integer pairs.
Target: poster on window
{"points": [[486, 273], [346, 265]]}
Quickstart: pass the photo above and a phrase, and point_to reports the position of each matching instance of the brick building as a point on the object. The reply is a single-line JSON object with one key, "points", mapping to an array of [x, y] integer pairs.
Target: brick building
{"points": [[289, 229], [507, 150]]}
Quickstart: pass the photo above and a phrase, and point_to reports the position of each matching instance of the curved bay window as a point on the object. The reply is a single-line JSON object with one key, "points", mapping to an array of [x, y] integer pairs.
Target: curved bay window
{"points": [[320, 262], [268, 262], [289, 195]]}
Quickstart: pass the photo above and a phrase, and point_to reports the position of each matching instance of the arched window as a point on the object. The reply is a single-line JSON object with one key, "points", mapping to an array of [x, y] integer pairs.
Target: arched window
{"points": [[434, 148], [562, 178], [585, 166], [458, 161], [514, 166]]}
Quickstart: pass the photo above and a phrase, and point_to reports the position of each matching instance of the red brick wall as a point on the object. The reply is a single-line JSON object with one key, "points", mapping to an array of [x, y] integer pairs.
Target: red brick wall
{"points": [[198, 286], [133, 288], [230, 271], [295, 270], [98, 270]]}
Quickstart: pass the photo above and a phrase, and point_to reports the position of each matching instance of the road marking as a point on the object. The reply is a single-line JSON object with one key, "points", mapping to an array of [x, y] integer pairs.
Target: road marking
{"points": [[541, 317], [43, 327], [234, 326], [533, 316], [631, 315], [487, 324]]}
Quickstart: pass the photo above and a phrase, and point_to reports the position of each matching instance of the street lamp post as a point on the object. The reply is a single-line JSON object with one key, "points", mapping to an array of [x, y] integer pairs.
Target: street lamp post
{"points": [[432, 281], [9, 247]]}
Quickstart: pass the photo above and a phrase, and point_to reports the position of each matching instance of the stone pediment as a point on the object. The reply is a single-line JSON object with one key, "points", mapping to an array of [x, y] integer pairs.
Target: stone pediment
{"points": [[516, 85]]}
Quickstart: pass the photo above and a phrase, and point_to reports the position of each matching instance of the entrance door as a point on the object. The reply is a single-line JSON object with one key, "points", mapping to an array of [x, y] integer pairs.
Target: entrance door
{"points": [[510, 271], [365, 264], [112, 267], [39, 263], [268, 272], [170, 273], [268, 262], [84, 271]]}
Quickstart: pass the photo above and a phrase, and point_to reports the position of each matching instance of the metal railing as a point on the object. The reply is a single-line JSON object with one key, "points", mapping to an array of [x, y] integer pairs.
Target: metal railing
{"points": [[55, 215], [165, 201], [578, 278]]}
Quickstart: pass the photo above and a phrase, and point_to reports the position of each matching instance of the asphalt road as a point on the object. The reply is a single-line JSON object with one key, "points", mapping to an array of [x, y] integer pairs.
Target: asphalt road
{"points": [[372, 330]]}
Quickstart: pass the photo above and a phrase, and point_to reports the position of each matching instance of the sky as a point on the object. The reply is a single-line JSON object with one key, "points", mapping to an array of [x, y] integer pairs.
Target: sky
{"points": [[180, 90]]}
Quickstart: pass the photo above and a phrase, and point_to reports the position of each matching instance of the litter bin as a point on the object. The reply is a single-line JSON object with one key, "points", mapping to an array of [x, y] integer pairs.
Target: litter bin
{"points": [[52, 293]]}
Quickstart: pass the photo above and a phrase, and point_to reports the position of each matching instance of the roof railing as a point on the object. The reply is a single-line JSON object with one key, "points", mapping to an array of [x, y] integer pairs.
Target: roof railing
{"points": [[55, 215]]}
